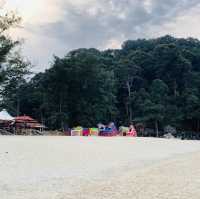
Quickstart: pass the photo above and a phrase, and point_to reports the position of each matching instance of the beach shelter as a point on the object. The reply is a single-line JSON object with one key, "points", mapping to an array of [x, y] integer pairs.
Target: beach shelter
{"points": [[5, 116], [28, 122]]}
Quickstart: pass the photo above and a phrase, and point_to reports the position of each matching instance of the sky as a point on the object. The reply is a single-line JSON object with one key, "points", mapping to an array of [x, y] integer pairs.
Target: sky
{"points": [[54, 27]]}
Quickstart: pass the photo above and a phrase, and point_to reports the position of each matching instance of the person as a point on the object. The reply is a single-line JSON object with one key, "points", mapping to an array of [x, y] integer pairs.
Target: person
{"points": [[132, 131]]}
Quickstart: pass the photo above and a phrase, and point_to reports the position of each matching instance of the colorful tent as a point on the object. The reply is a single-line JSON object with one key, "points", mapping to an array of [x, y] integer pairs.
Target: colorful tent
{"points": [[123, 131], [108, 131], [127, 131], [86, 132], [94, 131], [78, 131], [5, 116]]}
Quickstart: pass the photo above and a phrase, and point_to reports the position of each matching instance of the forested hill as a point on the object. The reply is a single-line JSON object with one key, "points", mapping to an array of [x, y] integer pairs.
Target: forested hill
{"points": [[155, 82]]}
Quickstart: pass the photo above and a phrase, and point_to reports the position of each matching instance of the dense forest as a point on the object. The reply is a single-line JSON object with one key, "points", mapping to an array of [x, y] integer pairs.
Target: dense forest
{"points": [[154, 83]]}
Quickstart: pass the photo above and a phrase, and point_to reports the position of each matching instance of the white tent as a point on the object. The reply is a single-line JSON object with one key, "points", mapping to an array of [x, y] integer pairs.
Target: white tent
{"points": [[5, 116]]}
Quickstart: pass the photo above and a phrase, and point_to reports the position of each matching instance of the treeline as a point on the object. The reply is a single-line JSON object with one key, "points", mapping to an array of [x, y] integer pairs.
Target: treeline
{"points": [[153, 82]]}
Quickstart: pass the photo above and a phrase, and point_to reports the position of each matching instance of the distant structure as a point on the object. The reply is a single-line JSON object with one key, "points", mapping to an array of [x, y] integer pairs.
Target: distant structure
{"points": [[28, 122]]}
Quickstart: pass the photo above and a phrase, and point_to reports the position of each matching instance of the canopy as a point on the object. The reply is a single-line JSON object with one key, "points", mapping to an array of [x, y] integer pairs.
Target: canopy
{"points": [[5, 116], [29, 121], [24, 119]]}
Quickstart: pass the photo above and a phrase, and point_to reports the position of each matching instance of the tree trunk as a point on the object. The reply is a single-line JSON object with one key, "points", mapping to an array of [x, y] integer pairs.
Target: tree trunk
{"points": [[156, 128], [18, 106], [130, 111], [175, 88], [198, 125], [127, 109], [60, 110], [42, 119]]}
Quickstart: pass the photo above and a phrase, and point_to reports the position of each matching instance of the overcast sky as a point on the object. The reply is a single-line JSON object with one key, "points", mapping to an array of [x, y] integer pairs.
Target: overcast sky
{"points": [[58, 26]]}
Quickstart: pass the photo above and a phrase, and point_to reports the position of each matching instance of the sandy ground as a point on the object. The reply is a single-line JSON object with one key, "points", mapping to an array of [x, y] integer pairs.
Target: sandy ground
{"points": [[98, 168]]}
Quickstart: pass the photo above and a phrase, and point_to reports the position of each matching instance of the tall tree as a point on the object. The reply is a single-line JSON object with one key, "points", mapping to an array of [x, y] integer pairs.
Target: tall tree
{"points": [[12, 66], [154, 104]]}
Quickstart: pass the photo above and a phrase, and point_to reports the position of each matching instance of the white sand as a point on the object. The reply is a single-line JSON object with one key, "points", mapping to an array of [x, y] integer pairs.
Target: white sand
{"points": [[98, 168]]}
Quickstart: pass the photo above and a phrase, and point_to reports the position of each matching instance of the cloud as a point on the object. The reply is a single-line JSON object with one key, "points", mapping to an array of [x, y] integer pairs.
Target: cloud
{"points": [[2, 3], [95, 23], [184, 25], [57, 26]]}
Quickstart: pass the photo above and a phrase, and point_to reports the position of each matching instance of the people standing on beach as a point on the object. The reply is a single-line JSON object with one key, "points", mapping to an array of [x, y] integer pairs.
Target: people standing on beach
{"points": [[132, 131]]}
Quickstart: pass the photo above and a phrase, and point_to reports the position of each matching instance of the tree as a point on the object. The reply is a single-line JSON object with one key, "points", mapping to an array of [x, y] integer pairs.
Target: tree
{"points": [[8, 21], [90, 87], [13, 68], [15, 71], [155, 81], [78, 89], [172, 67], [154, 105], [128, 76]]}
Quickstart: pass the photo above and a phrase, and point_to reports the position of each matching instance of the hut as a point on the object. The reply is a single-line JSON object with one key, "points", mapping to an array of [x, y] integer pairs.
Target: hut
{"points": [[26, 122]]}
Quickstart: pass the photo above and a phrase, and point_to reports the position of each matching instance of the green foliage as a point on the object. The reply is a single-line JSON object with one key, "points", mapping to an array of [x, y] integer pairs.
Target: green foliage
{"points": [[156, 82], [8, 20], [78, 90], [13, 68]]}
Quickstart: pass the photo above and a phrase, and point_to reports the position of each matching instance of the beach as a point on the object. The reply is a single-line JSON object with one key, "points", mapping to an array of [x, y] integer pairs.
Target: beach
{"points": [[95, 167]]}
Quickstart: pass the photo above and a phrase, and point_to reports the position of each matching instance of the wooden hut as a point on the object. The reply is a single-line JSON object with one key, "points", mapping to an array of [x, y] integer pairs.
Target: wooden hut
{"points": [[26, 122]]}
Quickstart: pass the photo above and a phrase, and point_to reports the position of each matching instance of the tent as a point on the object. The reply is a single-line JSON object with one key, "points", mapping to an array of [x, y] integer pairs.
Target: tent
{"points": [[5, 116], [123, 131], [128, 131], [78, 131], [86, 132], [108, 131], [94, 131]]}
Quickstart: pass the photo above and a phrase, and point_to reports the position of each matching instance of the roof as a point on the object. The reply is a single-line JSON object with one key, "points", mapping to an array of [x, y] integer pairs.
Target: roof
{"points": [[5, 116], [29, 121], [24, 119]]}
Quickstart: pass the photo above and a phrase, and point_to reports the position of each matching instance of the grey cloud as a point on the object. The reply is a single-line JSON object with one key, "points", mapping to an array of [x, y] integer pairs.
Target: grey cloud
{"points": [[79, 28], [112, 19]]}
